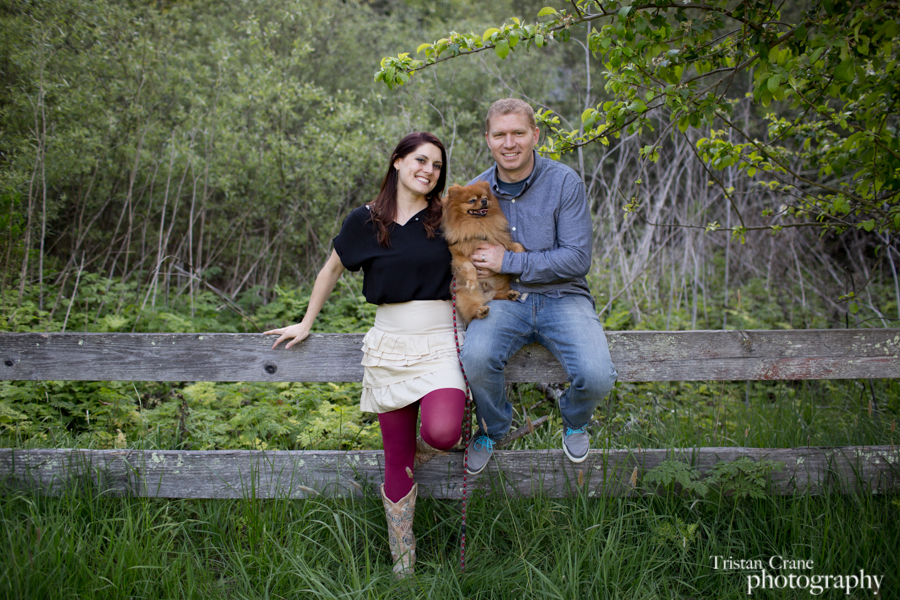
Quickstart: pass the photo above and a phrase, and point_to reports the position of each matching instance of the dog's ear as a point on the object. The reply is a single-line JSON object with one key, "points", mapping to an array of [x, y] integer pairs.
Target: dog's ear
{"points": [[452, 191]]}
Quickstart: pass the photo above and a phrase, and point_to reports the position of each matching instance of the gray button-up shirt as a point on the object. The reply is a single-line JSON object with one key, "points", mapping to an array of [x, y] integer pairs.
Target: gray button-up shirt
{"points": [[550, 217]]}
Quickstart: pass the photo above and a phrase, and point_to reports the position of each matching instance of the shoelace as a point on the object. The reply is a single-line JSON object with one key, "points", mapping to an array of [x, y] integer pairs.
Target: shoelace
{"points": [[570, 431], [478, 444]]}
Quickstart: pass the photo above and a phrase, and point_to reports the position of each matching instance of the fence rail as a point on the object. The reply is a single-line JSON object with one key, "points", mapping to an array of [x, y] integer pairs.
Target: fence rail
{"points": [[304, 474], [638, 356]]}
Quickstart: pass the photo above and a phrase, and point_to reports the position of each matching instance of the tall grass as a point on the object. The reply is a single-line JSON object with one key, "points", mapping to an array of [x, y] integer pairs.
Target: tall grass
{"points": [[85, 546]]}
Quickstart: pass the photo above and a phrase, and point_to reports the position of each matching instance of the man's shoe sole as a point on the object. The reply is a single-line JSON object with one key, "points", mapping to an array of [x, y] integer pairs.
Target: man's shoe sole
{"points": [[470, 472], [572, 458]]}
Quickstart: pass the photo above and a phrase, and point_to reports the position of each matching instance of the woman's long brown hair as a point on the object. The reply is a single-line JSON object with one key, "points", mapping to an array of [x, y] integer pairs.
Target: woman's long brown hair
{"points": [[383, 209]]}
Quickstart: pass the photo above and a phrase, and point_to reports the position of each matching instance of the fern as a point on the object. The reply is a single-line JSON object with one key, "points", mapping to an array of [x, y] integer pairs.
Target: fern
{"points": [[677, 477], [680, 533], [743, 477]]}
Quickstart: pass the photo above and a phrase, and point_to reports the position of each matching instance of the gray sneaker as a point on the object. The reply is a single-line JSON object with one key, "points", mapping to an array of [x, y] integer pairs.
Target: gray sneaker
{"points": [[480, 451], [576, 443]]}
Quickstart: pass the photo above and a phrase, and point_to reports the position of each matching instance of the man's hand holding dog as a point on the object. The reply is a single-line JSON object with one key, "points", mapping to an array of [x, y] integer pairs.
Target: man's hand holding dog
{"points": [[488, 259]]}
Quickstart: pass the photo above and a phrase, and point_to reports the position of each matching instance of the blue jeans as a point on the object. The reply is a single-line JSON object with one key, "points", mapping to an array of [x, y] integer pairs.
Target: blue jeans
{"points": [[568, 327]]}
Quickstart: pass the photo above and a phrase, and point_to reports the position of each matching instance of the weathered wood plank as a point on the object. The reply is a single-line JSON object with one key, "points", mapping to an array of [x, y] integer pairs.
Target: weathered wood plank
{"points": [[638, 355], [295, 474]]}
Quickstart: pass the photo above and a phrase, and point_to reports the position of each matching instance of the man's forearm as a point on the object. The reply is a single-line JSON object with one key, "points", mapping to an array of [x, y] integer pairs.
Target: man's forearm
{"points": [[548, 266]]}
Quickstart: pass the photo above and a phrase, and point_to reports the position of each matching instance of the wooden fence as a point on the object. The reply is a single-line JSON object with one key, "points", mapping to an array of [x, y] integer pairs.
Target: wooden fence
{"points": [[639, 356]]}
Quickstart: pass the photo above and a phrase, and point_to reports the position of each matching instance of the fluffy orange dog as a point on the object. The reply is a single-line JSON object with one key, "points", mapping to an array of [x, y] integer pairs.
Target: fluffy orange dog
{"points": [[472, 215]]}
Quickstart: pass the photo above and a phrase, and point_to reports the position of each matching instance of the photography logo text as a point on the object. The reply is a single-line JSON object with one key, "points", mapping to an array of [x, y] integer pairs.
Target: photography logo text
{"points": [[781, 573]]}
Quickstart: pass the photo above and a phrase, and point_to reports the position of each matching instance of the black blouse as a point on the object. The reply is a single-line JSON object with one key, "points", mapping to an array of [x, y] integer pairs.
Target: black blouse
{"points": [[412, 268]]}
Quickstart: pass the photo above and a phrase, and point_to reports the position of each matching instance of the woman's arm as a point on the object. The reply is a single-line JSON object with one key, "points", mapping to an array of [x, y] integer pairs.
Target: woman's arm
{"points": [[323, 287]]}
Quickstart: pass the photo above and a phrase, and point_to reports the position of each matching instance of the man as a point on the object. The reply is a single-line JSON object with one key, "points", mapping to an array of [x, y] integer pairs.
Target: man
{"points": [[548, 214]]}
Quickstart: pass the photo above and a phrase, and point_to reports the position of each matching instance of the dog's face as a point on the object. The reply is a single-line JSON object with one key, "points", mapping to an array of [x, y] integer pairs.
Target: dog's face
{"points": [[472, 212], [473, 200]]}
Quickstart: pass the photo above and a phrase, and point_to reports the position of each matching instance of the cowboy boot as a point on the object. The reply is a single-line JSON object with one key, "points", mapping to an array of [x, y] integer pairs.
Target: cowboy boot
{"points": [[400, 534], [424, 452]]}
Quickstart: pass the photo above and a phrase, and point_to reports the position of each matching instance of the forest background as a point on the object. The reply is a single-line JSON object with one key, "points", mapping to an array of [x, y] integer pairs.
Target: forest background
{"points": [[182, 165]]}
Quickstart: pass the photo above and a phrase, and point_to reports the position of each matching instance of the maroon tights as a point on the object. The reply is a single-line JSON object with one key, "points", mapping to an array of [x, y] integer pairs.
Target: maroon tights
{"points": [[442, 415]]}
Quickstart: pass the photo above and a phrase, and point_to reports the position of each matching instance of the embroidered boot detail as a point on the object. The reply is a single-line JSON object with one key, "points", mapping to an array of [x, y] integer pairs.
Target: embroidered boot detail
{"points": [[400, 534], [424, 452]]}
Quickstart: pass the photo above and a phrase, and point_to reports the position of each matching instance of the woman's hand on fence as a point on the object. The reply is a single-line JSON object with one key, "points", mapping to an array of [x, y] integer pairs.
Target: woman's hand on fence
{"points": [[322, 288], [299, 331]]}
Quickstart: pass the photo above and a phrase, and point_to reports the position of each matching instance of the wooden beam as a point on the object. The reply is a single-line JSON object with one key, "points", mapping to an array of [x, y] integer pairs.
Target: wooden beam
{"points": [[638, 355], [304, 474]]}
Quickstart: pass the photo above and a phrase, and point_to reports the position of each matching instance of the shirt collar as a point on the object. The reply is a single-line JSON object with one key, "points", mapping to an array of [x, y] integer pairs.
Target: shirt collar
{"points": [[535, 172]]}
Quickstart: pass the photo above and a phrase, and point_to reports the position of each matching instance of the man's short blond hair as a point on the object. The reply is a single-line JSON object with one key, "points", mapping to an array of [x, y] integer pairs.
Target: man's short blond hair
{"points": [[508, 106]]}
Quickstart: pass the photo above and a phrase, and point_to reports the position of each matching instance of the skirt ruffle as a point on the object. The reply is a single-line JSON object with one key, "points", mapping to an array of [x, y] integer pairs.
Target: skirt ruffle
{"points": [[400, 368]]}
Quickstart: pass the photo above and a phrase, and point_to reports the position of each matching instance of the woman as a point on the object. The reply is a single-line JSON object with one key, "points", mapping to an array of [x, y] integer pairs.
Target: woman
{"points": [[410, 354]]}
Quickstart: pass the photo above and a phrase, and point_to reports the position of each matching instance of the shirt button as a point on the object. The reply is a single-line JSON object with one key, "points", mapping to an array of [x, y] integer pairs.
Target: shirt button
{"points": [[513, 228], [517, 280], [513, 200]]}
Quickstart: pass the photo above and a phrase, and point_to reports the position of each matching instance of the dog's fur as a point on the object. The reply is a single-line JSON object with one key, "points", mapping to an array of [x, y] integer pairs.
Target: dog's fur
{"points": [[471, 216]]}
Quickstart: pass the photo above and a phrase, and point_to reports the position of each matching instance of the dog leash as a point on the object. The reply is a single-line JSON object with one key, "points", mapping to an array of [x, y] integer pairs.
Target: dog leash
{"points": [[467, 433]]}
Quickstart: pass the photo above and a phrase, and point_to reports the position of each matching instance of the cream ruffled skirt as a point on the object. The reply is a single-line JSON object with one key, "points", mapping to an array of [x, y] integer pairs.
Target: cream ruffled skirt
{"points": [[408, 353]]}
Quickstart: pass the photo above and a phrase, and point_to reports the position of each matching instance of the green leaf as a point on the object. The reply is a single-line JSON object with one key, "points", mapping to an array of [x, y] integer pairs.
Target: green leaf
{"points": [[774, 82], [502, 49], [422, 47], [640, 24], [488, 33], [547, 10], [868, 225], [637, 106], [845, 70]]}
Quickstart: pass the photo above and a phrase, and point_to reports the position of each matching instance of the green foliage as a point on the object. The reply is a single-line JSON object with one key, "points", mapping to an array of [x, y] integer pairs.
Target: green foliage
{"points": [[290, 416], [109, 305], [677, 477], [677, 532], [833, 151], [200, 416], [741, 478]]}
